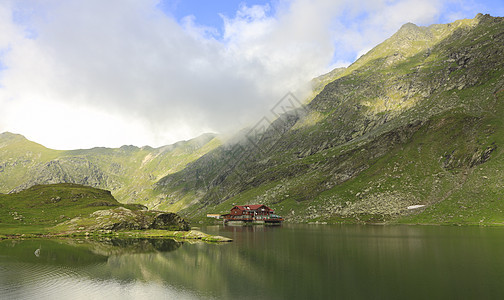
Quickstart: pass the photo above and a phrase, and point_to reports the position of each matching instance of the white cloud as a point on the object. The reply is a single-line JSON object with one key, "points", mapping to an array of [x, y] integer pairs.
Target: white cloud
{"points": [[126, 60], [363, 24], [106, 73]]}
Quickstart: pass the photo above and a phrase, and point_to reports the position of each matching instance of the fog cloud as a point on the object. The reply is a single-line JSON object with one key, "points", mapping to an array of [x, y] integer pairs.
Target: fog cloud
{"points": [[104, 73]]}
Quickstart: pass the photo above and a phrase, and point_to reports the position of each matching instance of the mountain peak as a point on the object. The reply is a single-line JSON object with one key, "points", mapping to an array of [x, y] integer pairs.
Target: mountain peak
{"points": [[412, 39], [8, 134], [411, 32], [409, 26], [9, 137], [481, 16]]}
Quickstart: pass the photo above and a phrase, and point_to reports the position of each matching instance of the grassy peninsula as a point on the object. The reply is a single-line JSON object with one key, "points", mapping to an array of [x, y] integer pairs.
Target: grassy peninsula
{"points": [[74, 210]]}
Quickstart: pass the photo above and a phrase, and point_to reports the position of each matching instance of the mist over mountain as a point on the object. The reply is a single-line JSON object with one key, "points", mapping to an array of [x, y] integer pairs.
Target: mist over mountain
{"points": [[415, 122]]}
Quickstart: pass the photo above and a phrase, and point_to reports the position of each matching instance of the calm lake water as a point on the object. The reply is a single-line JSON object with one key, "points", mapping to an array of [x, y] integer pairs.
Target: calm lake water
{"points": [[287, 262]]}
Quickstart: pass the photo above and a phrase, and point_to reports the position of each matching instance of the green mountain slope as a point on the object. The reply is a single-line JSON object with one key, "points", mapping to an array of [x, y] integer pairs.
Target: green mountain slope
{"points": [[129, 172], [416, 121]]}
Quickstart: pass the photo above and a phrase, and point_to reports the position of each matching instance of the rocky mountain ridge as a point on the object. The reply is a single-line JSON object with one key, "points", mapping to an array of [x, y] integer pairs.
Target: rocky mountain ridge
{"points": [[129, 171], [415, 122]]}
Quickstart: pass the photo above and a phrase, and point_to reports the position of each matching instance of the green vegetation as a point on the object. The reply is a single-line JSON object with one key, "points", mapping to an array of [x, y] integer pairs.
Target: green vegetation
{"points": [[75, 210], [177, 235], [39, 208], [129, 172], [416, 121]]}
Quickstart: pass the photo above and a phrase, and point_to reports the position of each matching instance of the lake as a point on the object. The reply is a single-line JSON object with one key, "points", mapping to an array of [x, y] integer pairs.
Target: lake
{"points": [[284, 262]]}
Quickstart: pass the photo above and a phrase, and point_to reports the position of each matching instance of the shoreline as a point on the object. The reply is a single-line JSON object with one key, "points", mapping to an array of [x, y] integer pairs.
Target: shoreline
{"points": [[146, 234]]}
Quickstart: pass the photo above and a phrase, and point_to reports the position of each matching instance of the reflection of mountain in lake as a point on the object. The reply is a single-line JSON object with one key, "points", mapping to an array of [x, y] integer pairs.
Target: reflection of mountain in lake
{"points": [[53, 252], [146, 245], [319, 262], [286, 262], [79, 252], [115, 246], [80, 269]]}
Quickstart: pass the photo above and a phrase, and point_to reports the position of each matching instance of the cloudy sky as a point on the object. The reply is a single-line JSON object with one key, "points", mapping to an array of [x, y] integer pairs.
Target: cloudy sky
{"points": [[85, 73]]}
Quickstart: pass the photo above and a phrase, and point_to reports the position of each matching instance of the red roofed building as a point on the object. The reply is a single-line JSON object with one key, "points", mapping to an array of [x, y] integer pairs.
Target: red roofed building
{"points": [[256, 213]]}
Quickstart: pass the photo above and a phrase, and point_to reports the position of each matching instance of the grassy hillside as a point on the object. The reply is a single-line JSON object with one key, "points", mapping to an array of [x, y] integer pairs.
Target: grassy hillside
{"points": [[129, 172], [42, 206], [416, 121]]}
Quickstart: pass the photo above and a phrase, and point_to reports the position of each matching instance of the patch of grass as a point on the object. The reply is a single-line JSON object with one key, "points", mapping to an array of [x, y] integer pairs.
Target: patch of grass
{"points": [[36, 209]]}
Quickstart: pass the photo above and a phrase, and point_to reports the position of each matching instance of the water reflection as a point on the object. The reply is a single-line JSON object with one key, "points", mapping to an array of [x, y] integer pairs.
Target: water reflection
{"points": [[288, 262], [77, 252], [84, 269]]}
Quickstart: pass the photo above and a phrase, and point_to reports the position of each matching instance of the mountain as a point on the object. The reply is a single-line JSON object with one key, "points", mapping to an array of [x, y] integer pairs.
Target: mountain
{"points": [[411, 132], [129, 172], [416, 122]]}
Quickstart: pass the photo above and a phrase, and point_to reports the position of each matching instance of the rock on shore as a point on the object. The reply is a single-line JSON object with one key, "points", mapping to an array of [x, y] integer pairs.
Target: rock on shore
{"points": [[121, 218]]}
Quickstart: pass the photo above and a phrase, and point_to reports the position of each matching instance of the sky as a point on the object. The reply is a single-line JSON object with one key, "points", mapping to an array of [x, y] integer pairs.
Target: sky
{"points": [[87, 73]]}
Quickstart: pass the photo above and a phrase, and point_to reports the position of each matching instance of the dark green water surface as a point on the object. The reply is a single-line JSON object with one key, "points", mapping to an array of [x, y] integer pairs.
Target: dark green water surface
{"points": [[286, 262]]}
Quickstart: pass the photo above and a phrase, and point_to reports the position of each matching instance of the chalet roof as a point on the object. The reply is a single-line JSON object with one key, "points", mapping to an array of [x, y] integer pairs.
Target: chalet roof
{"points": [[251, 207]]}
